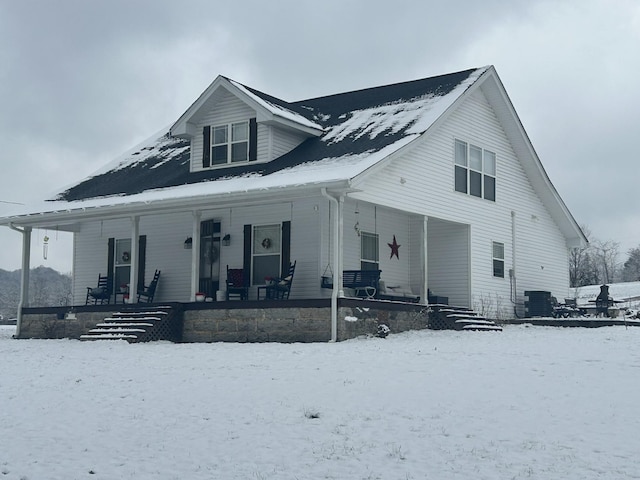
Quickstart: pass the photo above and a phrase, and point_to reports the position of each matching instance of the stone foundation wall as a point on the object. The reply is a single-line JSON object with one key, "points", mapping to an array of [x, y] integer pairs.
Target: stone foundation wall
{"points": [[289, 321], [48, 325], [298, 324]]}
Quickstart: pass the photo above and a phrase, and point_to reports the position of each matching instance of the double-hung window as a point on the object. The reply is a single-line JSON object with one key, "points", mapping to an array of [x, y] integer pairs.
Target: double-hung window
{"points": [[230, 143], [266, 252], [498, 259], [369, 256], [475, 171]]}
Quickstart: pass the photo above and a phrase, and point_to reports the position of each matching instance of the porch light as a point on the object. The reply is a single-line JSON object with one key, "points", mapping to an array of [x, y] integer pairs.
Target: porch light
{"points": [[226, 240], [188, 243]]}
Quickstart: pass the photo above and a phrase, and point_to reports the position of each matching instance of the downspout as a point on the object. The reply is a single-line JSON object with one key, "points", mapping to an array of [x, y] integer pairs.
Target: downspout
{"points": [[512, 271], [24, 274], [337, 262]]}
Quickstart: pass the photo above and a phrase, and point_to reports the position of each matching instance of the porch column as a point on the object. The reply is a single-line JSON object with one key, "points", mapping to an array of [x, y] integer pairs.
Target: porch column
{"points": [[424, 286], [195, 255], [338, 245], [24, 274], [133, 272]]}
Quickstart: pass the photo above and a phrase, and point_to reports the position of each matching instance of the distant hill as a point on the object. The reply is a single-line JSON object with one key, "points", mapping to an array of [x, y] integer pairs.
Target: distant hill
{"points": [[47, 287]]}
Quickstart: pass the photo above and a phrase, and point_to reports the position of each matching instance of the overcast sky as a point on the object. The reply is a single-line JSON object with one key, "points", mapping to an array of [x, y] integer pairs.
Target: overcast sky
{"points": [[83, 81]]}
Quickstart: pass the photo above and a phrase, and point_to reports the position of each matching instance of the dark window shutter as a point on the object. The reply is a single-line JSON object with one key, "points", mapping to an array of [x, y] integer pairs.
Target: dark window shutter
{"points": [[206, 147], [246, 264], [111, 252], [142, 258], [253, 140], [286, 247]]}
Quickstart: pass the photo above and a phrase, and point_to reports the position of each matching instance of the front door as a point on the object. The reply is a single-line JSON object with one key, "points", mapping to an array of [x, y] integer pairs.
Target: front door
{"points": [[209, 258]]}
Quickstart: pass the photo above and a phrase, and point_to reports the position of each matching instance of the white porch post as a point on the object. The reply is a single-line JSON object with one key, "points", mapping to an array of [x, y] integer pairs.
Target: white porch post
{"points": [[337, 260], [24, 274], [195, 255], [135, 245], [424, 286], [338, 245]]}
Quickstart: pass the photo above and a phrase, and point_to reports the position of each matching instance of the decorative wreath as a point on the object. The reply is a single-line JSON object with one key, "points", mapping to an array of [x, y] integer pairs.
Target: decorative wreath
{"points": [[266, 243], [125, 256], [212, 254]]}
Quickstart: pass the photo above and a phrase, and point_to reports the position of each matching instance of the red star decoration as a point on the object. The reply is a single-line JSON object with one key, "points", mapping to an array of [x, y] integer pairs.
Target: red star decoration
{"points": [[394, 248]]}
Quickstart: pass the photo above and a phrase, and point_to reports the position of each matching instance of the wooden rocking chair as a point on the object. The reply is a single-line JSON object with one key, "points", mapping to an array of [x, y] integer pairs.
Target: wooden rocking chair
{"points": [[101, 293], [149, 292]]}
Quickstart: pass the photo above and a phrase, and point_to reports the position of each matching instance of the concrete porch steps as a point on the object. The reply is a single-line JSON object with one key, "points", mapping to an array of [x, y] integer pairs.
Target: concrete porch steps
{"points": [[137, 324], [447, 317]]}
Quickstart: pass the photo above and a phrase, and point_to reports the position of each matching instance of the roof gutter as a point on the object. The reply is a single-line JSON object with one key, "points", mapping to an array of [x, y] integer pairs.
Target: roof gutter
{"points": [[70, 213]]}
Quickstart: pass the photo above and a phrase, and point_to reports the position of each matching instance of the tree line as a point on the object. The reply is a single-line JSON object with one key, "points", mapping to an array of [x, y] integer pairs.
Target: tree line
{"points": [[599, 263]]}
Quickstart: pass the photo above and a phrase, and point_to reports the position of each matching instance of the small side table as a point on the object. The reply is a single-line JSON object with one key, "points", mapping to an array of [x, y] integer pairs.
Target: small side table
{"points": [[267, 291], [124, 295]]}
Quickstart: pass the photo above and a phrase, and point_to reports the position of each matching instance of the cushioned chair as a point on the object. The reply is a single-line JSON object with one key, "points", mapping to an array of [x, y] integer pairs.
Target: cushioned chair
{"points": [[282, 287], [236, 284], [101, 293], [147, 293]]}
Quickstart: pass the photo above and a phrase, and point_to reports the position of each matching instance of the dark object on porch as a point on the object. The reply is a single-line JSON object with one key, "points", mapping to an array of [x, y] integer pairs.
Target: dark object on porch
{"points": [[101, 293], [149, 292], [603, 301], [236, 284], [366, 283], [435, 299], [567, 309], [398, 293], [282, 287], [538, 305]]}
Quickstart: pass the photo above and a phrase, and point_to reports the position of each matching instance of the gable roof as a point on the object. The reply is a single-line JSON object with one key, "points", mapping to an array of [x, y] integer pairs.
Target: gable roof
{"points": [[350, 135]]}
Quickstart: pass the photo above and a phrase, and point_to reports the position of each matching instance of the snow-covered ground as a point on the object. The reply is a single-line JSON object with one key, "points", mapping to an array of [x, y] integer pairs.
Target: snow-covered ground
{"points": [[525, 403]]}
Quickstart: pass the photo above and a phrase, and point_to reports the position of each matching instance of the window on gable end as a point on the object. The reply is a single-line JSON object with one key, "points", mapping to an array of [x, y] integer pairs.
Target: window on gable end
{"points": [[475, 171]]}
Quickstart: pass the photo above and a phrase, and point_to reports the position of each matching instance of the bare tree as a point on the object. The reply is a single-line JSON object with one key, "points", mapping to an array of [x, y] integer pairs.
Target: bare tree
{"points": [[607, 259], [582, 268], [631, 268]]}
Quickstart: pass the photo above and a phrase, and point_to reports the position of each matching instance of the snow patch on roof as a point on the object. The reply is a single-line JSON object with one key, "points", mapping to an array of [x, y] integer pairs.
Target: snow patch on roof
{"points": [[277, 110], [415, 115]]}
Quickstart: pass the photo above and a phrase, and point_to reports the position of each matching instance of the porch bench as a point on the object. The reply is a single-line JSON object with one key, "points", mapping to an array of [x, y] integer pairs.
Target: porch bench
{"points": [[398, 293], [365, 283]]}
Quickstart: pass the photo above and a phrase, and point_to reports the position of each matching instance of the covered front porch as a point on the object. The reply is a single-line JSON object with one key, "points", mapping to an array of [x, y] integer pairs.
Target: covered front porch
{"points": [[323, 232]]}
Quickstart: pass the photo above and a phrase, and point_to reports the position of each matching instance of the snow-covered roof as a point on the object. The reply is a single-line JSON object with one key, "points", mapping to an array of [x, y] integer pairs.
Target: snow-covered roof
{"points": [[359, 129]]}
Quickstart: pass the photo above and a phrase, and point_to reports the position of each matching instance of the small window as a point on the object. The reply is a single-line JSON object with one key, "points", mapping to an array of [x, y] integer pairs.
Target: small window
{"points": [[475, 171], [369, 256], [230, 143], [498, 259]]}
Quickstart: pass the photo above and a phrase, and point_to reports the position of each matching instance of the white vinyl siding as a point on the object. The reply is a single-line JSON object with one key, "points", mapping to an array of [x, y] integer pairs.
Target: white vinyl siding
{"points": [[165, 246], [422, 182]]}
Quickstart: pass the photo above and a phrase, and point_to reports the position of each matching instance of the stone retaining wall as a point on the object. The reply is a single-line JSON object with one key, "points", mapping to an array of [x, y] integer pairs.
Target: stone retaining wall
{"points": [[287, 321]]}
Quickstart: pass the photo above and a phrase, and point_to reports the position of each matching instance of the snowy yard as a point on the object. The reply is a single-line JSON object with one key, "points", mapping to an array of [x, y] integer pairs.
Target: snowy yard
{"points": [[529, 402]]}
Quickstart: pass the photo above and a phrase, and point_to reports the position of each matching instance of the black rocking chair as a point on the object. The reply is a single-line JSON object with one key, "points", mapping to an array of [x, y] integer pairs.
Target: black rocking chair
{"points": [[100, 293], [236, 284], [282, 287], [149, 292]]}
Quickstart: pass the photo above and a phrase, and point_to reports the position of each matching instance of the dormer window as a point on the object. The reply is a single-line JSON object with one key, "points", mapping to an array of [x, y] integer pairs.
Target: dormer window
{"points": [[229, 143]]}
